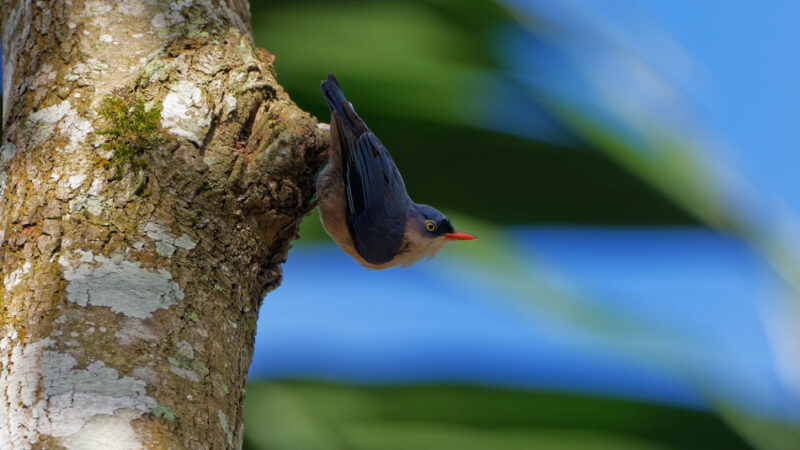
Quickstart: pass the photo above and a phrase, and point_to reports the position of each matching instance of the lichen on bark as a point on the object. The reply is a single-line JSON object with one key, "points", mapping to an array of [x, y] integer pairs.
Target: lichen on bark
{"points": [[112, 279]]}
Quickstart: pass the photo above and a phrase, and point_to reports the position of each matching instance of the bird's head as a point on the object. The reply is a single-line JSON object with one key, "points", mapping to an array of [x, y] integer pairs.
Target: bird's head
{"points": [[431, 230]]}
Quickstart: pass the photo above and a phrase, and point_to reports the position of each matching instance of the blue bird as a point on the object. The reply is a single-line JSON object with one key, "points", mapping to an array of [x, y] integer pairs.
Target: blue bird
{"points": [[363, 202]]}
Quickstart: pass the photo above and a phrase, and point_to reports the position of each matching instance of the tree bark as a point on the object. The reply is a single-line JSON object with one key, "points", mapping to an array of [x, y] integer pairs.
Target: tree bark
{"points": [[131, 284]]}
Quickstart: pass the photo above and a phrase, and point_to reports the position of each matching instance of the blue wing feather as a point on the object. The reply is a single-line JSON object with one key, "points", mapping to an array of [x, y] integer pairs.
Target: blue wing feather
{"points": [[377, 224], [377, 201]]}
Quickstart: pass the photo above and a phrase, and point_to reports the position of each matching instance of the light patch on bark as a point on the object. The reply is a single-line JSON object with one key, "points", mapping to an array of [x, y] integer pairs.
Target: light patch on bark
{"points": [[96, 187], [185, 112], [185, 349], [59, 378], [226, 428], [124, 286], [184, 373], [107, 432], [75, 396], [147, 374], [185, 242], [7, 151], [94, 205], [74, 181], [162, 237], [75, 127], [19, 375], [230, 104], [14, 278], [3, 183], [43, 121], [131, 8], [70, 124], [165, 241], [185, 365], [83, 70], [98, 11], [162, 21], [67, 185], [46, 396]]}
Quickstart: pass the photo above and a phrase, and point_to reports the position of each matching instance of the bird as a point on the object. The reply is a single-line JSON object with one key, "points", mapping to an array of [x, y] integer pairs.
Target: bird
{"points": [[363, 202]]}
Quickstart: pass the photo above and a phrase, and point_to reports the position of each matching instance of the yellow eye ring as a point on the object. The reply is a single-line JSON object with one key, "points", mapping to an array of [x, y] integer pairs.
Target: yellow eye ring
{"points": [[430, 225]]}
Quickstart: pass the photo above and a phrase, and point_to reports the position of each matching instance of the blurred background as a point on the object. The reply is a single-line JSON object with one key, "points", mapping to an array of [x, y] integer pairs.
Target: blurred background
{"points": [[630, 169]]}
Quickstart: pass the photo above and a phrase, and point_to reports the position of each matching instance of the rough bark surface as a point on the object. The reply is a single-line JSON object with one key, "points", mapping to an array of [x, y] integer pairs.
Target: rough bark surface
{"points": [[130, 292]]}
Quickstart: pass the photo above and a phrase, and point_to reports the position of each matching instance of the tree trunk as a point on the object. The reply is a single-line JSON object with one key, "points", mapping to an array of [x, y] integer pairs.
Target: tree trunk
{"points": [[153, 173]]}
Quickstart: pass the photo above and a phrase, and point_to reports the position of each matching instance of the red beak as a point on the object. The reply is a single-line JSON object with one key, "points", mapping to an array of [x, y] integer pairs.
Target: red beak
{"points": [[459, 236]]}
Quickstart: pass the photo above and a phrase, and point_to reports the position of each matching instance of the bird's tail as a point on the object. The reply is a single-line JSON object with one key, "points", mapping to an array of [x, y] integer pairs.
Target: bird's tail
{"points": [[338, 103]]}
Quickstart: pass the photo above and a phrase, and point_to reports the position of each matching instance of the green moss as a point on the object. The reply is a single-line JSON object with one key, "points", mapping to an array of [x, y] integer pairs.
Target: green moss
{"points": [[189, 363], [198, 22], [164, 411], [133, 128], [222, 388], [199, 367]]}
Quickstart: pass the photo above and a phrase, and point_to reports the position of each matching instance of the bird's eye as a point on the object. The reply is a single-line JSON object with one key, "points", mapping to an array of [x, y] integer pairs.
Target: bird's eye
{"points": [[430, 225]]}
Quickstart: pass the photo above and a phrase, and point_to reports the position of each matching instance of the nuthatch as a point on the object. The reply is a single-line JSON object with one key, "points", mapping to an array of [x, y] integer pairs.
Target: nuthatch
{"points": [[363, 202]]}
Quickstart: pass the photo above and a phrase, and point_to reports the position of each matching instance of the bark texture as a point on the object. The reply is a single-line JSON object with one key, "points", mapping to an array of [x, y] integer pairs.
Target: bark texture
{"points": [[131, 285]]}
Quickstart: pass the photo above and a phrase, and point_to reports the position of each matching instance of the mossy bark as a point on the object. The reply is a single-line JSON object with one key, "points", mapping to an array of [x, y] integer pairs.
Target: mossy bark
{"points": [[130, 289]]}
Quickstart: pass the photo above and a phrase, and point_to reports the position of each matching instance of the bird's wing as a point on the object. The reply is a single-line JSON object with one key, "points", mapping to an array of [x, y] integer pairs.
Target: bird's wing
{"points": [[377, 201], [337, 102]]}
